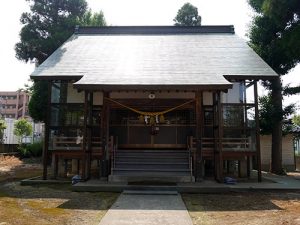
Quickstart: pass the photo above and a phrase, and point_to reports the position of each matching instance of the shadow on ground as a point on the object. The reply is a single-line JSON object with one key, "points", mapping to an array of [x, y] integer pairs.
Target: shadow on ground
{"points": [[72, 200], [246, 201]]}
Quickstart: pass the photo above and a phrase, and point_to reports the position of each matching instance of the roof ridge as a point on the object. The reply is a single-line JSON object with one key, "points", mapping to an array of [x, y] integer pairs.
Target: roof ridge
{"points": [[147, 30]]}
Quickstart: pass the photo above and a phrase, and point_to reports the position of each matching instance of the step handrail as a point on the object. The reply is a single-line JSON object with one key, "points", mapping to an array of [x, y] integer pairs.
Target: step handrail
{"points": [[114, 152], [190, 158]]}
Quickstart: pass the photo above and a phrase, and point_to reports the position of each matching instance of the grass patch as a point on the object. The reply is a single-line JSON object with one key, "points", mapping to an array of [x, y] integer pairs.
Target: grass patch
{"points": [[244, 208], [45, 203], [52, 204]]}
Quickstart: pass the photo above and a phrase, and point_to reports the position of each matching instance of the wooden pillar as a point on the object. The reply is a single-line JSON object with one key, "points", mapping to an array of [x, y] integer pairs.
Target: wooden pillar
{"points": [[248, 167], [89, 133], [257, 132], [47, 127], [198, 109], [54, 166], [218, 135], [75, 164], [84, 141], [105, 134]]}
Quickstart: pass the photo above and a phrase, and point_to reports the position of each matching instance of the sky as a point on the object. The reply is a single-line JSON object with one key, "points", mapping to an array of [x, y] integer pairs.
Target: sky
{"points": [[14, 73]]}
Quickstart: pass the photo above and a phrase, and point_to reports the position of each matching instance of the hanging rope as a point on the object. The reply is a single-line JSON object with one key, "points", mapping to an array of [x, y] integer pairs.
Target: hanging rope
{"points": [[151, 114]]}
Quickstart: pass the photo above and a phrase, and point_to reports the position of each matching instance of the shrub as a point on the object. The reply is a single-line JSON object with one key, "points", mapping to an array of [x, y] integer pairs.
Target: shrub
{"points": [[23, 150], [35, 149], [31, 150]]}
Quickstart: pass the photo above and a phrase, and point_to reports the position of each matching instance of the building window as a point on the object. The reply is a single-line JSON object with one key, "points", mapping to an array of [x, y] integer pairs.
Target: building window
{"points": [[59, 92], [66, 121]]}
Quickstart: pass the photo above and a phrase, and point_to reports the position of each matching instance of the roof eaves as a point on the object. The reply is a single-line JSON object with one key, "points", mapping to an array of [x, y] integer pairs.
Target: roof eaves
{"points": [[155, 30], [120, 87]]}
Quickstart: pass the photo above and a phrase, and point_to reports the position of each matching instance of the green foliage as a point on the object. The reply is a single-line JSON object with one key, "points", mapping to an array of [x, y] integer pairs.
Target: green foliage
{"points": [[296, 120], [2, 128], [23, 150], [266, 115], [38, 101], [46, 27], [35, 149], [22, 128], [30, 150], [187, 15], [96, 19], [275, 33], [275, 36]]}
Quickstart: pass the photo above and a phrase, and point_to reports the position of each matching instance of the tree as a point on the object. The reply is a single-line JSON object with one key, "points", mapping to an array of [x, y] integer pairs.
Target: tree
{"points": [[22, 128], [49, 24], [187, 15], [275, 36], [266, 121], [296, 120], [96, 19], [38, 100], [2, 128]]}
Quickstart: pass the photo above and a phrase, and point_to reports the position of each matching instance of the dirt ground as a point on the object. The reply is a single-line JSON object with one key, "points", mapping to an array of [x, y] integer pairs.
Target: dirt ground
{"points": [[247, 208], [13, 168], [295, 175], [45, 204], [57, 204]]}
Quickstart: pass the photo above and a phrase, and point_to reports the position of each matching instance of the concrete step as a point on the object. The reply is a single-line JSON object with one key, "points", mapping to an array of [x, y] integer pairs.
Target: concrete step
{"points": [[152, 169], [146, 174], [151, 165], [158, 177], [149, 192], [151, 155], [152, 150], [151, 160]]}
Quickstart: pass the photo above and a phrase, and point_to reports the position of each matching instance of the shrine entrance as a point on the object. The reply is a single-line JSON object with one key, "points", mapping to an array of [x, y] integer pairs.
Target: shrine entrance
{"points": [[169, 130]]}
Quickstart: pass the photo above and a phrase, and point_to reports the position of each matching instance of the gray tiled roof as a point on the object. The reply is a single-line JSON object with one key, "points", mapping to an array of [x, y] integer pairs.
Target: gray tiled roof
{"points": [[171, 59]]}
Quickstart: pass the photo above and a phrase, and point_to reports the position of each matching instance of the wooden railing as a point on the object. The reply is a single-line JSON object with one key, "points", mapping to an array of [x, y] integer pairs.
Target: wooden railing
{"points": [[237, 144], [228, 144], [73, 143]]}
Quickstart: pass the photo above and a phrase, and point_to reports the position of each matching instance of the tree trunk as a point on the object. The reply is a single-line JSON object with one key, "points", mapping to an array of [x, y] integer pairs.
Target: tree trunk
{"points": [[276, 165]]}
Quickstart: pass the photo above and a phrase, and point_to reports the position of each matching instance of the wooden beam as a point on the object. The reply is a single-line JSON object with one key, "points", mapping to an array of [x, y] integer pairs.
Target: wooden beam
{"points": [[257, 132], [47, 127]]}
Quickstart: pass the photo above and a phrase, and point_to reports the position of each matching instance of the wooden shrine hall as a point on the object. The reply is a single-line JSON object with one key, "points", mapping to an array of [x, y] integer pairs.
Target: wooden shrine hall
{"points": [[138, 103]]}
